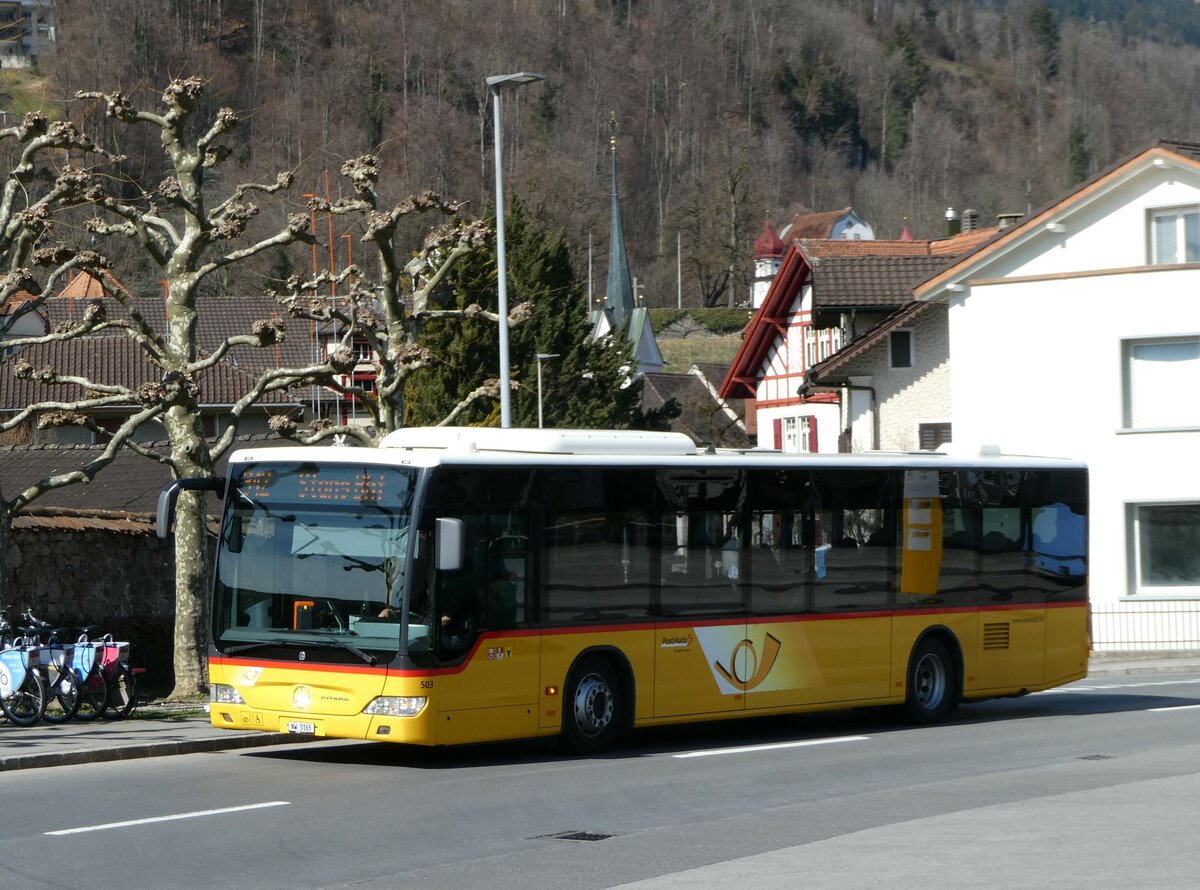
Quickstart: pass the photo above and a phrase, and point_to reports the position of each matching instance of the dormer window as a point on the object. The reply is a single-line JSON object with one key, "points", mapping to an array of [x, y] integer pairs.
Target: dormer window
{"points": [[1175, 235]]}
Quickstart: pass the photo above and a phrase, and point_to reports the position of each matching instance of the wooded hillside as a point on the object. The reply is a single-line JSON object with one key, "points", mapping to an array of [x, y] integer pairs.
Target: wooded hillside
{"points": [[728, 111]]}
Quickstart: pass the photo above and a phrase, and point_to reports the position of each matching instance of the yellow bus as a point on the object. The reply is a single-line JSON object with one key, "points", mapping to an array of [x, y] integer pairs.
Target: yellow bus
{"points": [[464, 585]]}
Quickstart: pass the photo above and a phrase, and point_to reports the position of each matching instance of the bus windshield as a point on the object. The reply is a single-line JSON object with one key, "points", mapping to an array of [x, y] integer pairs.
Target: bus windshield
{"points": [[313, 555]]}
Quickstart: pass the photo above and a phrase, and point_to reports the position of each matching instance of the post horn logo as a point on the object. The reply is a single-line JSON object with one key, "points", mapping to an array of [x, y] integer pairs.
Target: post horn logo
{"points": [[746, 670]]}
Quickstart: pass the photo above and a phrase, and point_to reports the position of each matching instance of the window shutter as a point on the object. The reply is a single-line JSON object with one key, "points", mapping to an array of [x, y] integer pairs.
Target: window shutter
{"points": [[777, 431], [812, 434], [931, 435]]}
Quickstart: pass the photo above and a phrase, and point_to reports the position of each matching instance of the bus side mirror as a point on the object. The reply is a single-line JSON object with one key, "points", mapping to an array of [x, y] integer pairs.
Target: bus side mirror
{"points": [[170, 494], [448, 543]]}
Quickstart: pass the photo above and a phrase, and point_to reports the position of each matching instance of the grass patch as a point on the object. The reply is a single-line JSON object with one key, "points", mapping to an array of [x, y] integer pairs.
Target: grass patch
{"points": [[682, 354], [21, 92]]}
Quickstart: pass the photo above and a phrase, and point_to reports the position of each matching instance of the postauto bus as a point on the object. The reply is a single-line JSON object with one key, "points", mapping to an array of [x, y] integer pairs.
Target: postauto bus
{"points": [[464, 585]]}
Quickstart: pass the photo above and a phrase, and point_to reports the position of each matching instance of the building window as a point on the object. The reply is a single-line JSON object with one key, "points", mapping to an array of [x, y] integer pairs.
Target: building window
{"points": [[931, 435], [796, 435], [1175, 235], [1166, 544], [1161, 378], [900, 349]]}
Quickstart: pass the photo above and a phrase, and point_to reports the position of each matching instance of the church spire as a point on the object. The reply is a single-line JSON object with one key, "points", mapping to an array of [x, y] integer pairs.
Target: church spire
{"points": [[619, 292]]}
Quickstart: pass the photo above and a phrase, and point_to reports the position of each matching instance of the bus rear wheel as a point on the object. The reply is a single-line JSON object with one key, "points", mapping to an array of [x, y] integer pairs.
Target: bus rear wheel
{"points": [[931, 682], [593, 705]]}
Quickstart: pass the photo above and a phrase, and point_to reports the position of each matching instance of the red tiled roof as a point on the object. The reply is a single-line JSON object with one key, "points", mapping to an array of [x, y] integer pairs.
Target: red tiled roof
{"points": [[814, 225], [130, 483], [957, 245], [870, 281], [819, 248], [84, 285], [218, 317], [114, 360]]}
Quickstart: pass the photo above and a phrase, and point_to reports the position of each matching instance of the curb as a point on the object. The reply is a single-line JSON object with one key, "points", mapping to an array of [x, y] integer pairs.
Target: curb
{"points": [[1168, 666], [147, 749]]}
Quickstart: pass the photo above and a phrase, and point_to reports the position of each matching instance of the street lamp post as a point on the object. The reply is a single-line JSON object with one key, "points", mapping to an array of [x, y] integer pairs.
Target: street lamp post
{"points": [[540, 356], [494, 84]]}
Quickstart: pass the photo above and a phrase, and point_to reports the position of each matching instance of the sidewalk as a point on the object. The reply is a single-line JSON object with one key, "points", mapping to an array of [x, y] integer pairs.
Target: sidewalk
{"points": [[156, 730], [163, 728]]}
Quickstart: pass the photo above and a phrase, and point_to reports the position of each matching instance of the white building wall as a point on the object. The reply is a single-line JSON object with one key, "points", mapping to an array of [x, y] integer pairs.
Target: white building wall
{"points": [[904, 397], [1038, 370], [827, 414]]}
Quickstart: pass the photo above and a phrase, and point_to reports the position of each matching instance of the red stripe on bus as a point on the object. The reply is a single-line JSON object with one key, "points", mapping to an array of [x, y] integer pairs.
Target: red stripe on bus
{"points": [[480, 643]]}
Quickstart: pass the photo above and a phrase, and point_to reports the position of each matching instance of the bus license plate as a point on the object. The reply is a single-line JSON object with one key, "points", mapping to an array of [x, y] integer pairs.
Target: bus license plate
{"points": [[302, 727]]}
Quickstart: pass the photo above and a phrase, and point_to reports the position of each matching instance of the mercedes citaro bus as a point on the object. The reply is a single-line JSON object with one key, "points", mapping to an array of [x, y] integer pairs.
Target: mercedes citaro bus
{"points": [[460, 585]]}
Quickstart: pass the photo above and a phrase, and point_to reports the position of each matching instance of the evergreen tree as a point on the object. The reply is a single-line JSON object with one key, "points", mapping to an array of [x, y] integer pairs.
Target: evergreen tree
{"points": [[1046, 37], [584, 386], [907, 77], [1079, 157]]}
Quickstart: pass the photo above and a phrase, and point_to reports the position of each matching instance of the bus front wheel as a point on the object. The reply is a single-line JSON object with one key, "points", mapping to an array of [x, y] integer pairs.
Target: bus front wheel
{"points": [[592, 707], [930, 682]]}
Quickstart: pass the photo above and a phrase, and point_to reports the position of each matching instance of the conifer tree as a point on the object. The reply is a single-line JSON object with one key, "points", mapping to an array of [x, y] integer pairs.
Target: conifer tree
{"points": [[585, 385]]}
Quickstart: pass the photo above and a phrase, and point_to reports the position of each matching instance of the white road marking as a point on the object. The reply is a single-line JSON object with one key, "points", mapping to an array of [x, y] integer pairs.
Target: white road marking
{"points": [[750, 749], [1101, 687], [195, 815], [1176, 708]]}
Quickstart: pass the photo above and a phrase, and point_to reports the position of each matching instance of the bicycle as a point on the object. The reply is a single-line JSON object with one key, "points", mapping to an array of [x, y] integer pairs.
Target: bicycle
{"points": [[122, 679], [58, 676], [93, 684], [22, 693]]}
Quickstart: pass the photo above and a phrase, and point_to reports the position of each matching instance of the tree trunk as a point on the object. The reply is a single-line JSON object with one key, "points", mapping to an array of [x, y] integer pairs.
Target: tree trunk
{"points": [[10, 558], [191, 597]]}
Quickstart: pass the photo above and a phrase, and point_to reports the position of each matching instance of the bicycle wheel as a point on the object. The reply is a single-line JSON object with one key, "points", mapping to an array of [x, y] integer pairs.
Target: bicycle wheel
{"points": [[24, 705], [122, 693], [93, 696], [62, 694]]}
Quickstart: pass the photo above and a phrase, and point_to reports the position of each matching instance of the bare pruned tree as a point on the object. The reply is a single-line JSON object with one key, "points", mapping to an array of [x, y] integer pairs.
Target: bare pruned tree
{"points": [[31, 202], [389, 310], [190, 236]]}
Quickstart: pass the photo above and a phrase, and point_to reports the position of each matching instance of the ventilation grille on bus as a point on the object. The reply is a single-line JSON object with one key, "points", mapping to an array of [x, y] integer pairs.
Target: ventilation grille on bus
{"points": [[995, 636]]}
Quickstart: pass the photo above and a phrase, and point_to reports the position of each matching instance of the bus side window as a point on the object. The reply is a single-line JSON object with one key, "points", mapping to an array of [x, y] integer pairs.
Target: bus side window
{"points": [[505, 592]]}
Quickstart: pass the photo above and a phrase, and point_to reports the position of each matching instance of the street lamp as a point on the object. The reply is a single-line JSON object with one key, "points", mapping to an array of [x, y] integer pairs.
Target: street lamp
{"points": [[539, 357], [494, 84]]}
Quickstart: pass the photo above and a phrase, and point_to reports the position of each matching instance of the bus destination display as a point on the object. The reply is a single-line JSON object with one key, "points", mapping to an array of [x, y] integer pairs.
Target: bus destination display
{"points": [[352, 485]]}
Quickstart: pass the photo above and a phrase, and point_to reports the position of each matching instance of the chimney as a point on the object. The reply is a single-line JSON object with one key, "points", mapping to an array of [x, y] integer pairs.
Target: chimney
{"points": [[970, 220], [953, 223], [1008, 220]]}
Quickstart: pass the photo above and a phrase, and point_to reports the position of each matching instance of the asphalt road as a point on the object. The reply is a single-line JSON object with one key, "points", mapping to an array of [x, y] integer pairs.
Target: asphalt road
{"points": [[1094, 785]]}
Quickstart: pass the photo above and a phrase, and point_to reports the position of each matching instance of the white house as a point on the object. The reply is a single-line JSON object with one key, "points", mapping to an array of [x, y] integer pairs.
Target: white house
{"points": [[778, 344], [825, 292], [1077, 332]]}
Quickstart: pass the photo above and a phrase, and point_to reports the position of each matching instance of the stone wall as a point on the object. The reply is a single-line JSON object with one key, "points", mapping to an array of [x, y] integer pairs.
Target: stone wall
{"points": [[111, 571]]}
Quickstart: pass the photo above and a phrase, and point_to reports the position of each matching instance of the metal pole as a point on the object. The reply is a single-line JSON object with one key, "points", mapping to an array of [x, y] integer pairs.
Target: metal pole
{"points": [[539, 367], [494, 84], [678, 270], [540, 357], [501, 267]]}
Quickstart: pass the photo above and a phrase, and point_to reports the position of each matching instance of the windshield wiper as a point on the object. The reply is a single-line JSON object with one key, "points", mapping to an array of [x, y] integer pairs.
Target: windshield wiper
{"points": [[330, 643]]}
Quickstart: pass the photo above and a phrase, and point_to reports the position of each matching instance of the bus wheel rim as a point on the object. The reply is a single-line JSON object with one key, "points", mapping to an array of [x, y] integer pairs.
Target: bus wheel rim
{"points": [[930, 680], [593, 705]]}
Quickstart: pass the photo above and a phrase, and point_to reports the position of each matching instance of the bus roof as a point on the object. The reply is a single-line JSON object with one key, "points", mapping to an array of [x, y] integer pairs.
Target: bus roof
{"points": [[541, 441], [431, 446]]}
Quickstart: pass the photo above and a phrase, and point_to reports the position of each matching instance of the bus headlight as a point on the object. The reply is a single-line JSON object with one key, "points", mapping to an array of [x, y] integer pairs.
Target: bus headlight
{"points": [[396, 706], [219, 693]]}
